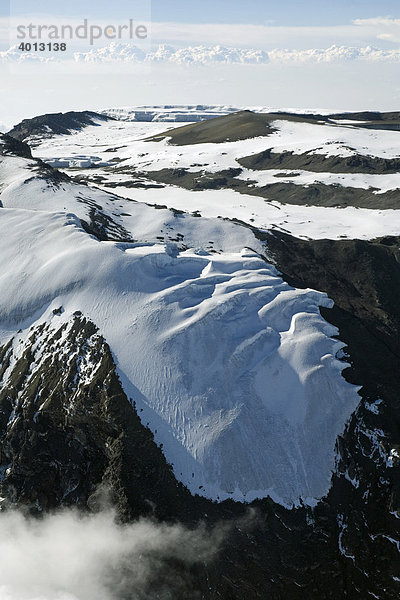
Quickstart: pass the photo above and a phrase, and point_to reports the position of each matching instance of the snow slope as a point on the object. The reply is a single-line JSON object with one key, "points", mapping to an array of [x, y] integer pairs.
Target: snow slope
{"points": [[224, 360], [309, 222], [22, 187]]}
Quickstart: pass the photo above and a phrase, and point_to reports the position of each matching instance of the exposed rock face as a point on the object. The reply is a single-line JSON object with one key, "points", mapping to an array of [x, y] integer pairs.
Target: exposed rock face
{"points": [[56, 123], [320, 163], [363, 278], [10, 145], [102, 225], [67, 426]]}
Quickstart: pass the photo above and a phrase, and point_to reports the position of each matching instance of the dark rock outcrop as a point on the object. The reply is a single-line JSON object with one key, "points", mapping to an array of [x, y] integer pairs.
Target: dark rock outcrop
{"points": [[67, 427], [55, 123], [316, 194], [14, 147], [320, 163]]}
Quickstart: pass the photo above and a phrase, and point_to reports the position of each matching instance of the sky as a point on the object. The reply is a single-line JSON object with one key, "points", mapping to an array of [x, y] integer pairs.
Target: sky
{"points": [[281, 13], [339, 54]]}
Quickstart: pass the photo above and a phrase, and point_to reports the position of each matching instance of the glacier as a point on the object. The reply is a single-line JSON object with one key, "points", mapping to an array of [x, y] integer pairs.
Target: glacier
{"points": [[224, 360]]}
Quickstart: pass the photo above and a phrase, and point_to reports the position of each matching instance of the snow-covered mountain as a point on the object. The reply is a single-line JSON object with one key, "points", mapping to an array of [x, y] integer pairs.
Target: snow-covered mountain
{"points": [[284, 171], [168, 306], [164, 336]]}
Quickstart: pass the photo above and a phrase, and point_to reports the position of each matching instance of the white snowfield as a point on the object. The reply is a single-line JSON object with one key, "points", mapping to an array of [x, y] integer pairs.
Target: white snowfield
{"points": [[235, 372], [122, 144], [126, 140]]}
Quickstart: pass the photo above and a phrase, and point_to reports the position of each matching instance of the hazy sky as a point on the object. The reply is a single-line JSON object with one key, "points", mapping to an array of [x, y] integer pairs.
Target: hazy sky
{"points": [[284, 12], [341, 54]]}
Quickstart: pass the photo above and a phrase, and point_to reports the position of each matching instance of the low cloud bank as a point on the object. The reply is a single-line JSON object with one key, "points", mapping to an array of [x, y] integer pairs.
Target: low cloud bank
{"points": [[204, 55], [121, 53], [71, 556]]}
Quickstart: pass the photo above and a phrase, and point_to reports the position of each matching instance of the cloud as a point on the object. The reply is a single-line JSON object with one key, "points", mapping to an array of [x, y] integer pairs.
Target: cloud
{"points": [[260, 36], [335, 54], [73, 556], [113, 52], [164, 53], [383, 28], [13, 55], [379, 21], [129, 54], [204, 55]]}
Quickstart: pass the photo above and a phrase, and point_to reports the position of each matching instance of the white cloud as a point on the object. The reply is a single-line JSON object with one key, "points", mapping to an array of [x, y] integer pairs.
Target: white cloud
{"points": [[385, 21], [113, 52], [13, 55], [164, 53], [335, 54], [70, 556], [203, 55], [383, 28], [259, 36], [119, 53]]}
